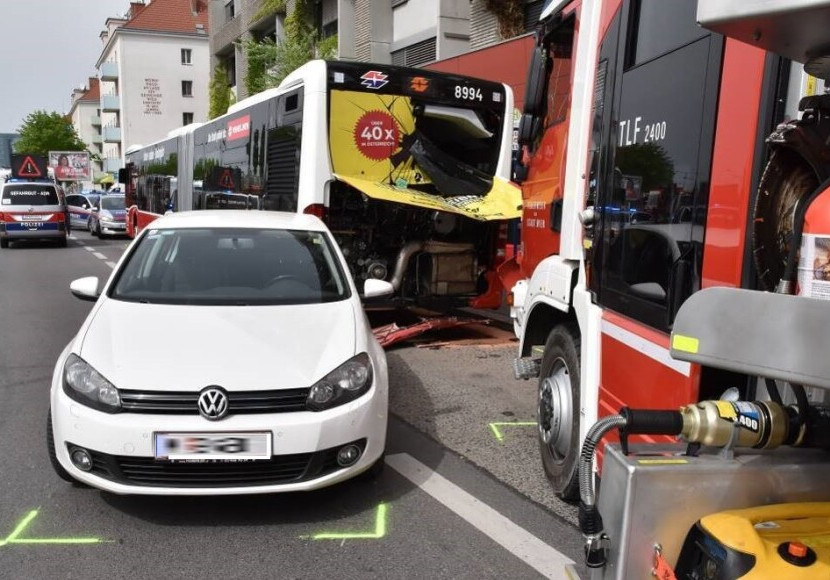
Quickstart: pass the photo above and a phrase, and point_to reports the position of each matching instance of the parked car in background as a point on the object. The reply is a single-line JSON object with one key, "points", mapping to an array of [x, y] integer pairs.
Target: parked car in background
{"points": [[109, 217], [275, 382], [80, 206], [32, 210]]}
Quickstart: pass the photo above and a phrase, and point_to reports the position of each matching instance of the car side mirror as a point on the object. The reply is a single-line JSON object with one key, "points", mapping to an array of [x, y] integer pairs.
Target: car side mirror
{"points": [[85, 288], [374, 288]]}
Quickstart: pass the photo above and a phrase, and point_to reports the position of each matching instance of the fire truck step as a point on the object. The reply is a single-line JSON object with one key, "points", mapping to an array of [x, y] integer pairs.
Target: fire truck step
{"points": [[525, 368]]}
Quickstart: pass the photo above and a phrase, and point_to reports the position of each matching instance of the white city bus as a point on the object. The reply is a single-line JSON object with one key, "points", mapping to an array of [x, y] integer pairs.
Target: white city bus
{"points": [[409, 168]]}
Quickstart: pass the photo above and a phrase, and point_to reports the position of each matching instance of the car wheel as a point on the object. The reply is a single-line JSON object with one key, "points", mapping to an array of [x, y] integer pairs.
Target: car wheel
{"points": [[98, 230], [4, 242], [63, 242], [53, 459], [558, 410]]}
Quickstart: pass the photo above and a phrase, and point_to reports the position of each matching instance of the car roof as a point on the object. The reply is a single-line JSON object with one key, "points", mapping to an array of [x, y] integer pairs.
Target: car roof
{"points": [[28, 182], [228, 218]]}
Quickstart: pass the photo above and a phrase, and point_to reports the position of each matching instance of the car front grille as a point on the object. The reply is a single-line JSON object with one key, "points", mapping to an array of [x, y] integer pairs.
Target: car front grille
{"points": [[239, 402], [149, 472]]}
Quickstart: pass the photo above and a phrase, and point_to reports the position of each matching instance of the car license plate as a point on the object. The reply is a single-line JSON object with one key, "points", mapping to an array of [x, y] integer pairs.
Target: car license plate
{"points": [[31, 225], [213, 446]]}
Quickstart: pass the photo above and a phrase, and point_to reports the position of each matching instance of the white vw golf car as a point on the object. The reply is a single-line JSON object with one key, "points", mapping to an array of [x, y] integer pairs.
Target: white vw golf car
{"points": [[228, 353]]}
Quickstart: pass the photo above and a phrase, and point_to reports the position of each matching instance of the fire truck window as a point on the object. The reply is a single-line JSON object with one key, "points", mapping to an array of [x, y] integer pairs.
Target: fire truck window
{"points": [[654, 204], [559, 81], [662, 26]]}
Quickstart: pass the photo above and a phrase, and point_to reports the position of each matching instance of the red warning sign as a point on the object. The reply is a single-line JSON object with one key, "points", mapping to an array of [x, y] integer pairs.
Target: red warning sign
{"points": [[28, 166], [226, 180]]}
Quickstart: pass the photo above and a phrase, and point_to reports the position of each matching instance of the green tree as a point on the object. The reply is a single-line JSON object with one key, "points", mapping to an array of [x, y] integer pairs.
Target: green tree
{"points": [[42, 132], [270, 62], [219, 92]]}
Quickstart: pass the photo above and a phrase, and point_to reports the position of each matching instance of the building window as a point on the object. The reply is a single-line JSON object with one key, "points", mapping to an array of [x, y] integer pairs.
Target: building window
{"points": [[187, 118], [416, 54], [230, 11], [186, 56], [187, 88]]}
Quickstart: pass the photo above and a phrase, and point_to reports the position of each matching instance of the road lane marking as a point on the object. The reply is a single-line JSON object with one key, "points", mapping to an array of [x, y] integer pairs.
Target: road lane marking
{"points": [[88, 248], [110, 264], [534, 552], [99, 255], [495, 427], [377, 534], [14, 537]]}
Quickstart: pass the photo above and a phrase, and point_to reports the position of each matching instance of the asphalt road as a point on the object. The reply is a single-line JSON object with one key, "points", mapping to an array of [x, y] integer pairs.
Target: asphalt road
{"points": [[460, 498]]}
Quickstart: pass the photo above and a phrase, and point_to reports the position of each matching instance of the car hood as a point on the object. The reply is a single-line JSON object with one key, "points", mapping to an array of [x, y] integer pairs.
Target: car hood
{"points": [[172, 348]]}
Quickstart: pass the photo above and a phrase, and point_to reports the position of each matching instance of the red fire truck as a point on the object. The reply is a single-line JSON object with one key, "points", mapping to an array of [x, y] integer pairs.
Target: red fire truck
{"points": [[658, 158]]}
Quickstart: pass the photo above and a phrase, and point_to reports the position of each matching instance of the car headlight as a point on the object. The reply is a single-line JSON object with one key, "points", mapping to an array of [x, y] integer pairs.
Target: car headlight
{"points": [[345, 383], [106, 217], [84, 384]]}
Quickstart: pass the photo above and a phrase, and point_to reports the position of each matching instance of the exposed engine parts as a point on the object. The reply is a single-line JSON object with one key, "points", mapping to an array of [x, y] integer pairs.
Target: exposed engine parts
{"points": [[422, 253]]}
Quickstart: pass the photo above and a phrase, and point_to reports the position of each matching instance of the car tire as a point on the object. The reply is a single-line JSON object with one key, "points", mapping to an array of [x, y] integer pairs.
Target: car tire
{"points": [[53, 458], [63, 242], [4, 242], [558, 404]]}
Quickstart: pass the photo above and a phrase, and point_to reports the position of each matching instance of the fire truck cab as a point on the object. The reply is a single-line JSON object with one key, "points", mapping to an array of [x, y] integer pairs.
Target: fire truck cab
{"points": [[659, 158]]}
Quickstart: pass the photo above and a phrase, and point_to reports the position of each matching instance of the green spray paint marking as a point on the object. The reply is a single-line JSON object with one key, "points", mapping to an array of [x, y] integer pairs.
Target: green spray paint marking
{"points": [[14, 537], [495, 427], [380, 530]]}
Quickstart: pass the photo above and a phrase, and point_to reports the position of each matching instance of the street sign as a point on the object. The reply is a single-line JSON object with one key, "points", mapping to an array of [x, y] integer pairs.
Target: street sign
{"points": [[26, 166]]}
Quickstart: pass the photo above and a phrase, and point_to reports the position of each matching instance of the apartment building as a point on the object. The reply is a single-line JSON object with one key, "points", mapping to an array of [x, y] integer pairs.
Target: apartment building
{"points": [[85, 114], [402, 32], [154, 73]]}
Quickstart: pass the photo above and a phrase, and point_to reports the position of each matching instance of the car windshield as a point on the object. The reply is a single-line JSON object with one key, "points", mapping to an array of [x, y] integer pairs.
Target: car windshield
{"points": [[116, 202], [93, 199], [231, 266], [29, 194]]}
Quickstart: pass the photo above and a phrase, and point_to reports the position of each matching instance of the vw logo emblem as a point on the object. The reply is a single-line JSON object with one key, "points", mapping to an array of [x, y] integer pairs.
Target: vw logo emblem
{"points": [[213, 403]]}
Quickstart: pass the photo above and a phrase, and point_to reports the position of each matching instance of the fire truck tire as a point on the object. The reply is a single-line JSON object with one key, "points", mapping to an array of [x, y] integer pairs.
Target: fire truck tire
{"points": [[4, 242], [787, 178], [558, 410]]}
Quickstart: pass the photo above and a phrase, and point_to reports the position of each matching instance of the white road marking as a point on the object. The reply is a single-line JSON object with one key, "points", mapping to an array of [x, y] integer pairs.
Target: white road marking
{"points": [[110, 264], [534, 552], [88, 248], [99, 255]]}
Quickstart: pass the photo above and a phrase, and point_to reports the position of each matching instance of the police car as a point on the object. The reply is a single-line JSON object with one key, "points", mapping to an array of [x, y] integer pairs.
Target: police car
{"points": [[32, 210]]}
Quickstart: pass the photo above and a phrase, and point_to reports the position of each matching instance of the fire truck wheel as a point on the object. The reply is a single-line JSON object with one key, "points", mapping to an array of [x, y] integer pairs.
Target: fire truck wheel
{"points": [[558, 410]]}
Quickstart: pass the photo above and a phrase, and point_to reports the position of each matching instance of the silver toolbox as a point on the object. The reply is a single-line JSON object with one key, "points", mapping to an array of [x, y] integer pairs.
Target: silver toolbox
{"points": [[655, 496]]}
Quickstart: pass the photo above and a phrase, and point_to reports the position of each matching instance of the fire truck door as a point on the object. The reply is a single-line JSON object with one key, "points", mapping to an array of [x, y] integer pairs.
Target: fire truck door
{"points": [[651, 197]]}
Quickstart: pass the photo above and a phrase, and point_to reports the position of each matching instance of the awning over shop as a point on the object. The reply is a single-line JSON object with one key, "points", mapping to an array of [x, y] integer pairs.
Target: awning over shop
{"points": [[502, 201], [104, 178]]}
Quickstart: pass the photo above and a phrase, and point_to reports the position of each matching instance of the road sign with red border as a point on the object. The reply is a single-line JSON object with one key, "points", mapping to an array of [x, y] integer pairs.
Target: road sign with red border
{"points": [[26, 166]]}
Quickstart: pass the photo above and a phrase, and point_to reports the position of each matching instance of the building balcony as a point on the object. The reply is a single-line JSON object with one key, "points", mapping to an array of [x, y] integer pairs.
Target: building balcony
{"points": [[110, 103], [109, 71], [112, 164], [96, 139], [111, 134], [95, 120]]}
